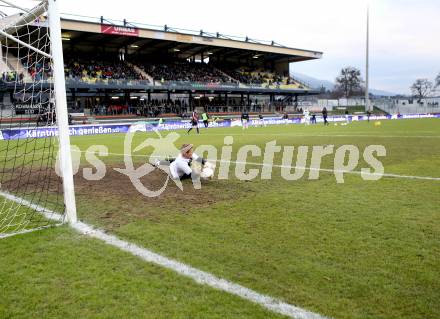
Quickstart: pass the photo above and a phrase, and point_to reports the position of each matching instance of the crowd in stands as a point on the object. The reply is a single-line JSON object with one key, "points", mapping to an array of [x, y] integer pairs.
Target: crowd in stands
{"points": [[149, 109], [184, 71], [157, 106], [245, 76], [38, 70], [13, 76], [258, 77], [99, 70], [181, 108], [154, 111], [175, 71]]}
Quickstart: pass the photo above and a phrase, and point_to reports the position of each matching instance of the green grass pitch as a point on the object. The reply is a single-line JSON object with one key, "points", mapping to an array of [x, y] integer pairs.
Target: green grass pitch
{"points": [[361, 249]]}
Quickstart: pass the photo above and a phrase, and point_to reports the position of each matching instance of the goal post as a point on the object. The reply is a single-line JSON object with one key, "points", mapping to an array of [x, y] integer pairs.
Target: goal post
{"points": [[34, 128], [61, 111]]}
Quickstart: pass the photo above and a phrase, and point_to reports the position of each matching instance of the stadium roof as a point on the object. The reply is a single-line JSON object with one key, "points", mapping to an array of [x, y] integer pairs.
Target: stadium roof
{"points": [[149, 39]]}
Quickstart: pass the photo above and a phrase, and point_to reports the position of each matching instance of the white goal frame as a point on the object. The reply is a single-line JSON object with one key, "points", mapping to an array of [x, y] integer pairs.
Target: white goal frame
{"points": [[61, 111], [56, 54]]}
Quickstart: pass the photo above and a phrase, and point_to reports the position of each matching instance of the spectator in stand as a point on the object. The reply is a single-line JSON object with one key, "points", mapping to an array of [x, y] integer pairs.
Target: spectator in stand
{"points": [[10, 76]]}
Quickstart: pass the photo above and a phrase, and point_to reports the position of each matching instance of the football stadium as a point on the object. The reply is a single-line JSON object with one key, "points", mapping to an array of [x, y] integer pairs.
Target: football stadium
{"points": [[158, 172]]}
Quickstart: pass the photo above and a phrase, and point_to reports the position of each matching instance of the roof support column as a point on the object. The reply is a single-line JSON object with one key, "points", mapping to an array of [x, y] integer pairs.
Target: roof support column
{"points": [[73, 91], [127, 100], [106, 102], [190, 101], [226, 100]]}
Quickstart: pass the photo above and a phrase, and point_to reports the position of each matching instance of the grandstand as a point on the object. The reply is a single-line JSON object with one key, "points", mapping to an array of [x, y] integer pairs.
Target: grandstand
{"points": [[123, 67], [282, 216]]}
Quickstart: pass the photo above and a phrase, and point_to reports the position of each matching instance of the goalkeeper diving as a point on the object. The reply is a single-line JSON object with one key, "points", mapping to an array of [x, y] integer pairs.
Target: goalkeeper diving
{"points": [[182, 167]]}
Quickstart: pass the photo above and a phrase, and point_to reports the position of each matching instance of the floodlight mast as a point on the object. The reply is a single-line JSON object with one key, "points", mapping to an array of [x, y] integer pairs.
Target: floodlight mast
{"points": [[65, 158], [367, 95]]}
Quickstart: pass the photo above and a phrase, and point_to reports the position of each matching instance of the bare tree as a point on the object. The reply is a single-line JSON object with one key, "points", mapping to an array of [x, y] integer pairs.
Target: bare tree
{"points": [[437, 81], [421, 88], [349, 82]]}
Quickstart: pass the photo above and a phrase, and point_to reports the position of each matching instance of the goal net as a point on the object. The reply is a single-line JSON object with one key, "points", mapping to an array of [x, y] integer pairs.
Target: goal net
{"points": [[31, 193]]}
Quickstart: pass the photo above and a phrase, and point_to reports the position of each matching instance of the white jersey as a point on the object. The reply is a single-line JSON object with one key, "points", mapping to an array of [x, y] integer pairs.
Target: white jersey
{"points": [[180, 166]]}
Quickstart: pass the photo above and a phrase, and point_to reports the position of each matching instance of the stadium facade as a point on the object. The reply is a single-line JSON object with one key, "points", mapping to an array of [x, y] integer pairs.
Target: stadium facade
{"points": [[119, 66]]}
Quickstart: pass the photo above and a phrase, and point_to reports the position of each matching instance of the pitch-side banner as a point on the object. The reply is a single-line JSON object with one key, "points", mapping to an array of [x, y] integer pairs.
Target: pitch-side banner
{"points": [[82, 130], [51, 131], [119, 30]]}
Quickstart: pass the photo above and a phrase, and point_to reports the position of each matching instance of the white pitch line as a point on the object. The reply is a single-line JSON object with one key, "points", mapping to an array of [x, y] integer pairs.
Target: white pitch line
{"points": [[336, 170], [295, 167], [323, 135], [199, 276], [292, 134], [305, 168]]}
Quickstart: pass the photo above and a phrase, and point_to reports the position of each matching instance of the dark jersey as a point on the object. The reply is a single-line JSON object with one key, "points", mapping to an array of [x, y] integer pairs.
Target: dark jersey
{"points": [[194, 116], [194, 119], [245, 116]]}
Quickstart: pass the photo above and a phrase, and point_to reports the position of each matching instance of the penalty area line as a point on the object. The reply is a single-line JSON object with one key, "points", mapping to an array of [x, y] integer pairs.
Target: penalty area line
{"points": [[199, 276], [327, 170], [293, 135]]}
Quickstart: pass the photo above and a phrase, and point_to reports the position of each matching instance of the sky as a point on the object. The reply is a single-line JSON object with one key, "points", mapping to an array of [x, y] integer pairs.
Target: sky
{"points": [[404, 34]]}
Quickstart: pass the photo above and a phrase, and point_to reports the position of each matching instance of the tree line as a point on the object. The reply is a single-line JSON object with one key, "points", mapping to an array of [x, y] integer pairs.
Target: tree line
{"points": [[349, 83], [423, 88]]}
